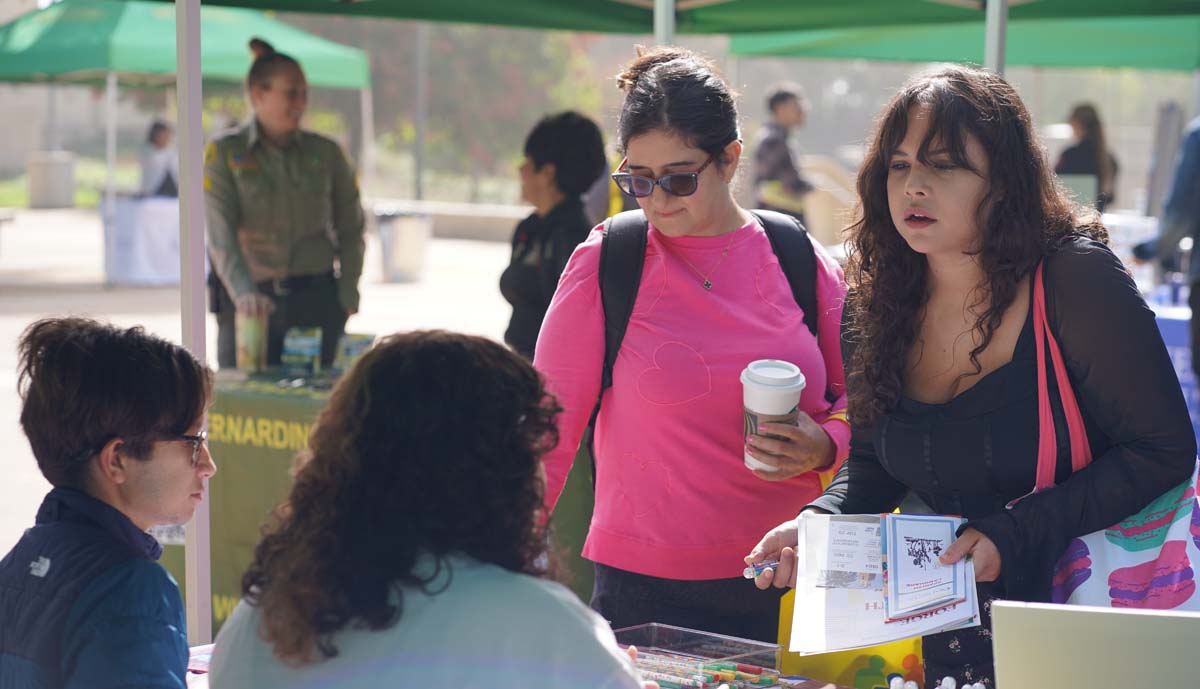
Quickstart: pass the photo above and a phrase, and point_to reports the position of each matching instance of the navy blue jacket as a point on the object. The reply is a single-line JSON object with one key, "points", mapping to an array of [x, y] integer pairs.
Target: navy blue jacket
{"points": [[83, 603]]}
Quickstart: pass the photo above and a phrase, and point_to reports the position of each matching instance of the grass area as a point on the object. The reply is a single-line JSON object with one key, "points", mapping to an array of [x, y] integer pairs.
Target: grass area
{"points": [[393, 179], [90, 177]]}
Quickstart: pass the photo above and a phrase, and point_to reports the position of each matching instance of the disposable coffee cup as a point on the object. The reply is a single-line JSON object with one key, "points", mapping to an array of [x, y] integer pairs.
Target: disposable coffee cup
{"points": [[770, 394], [251, 342]]}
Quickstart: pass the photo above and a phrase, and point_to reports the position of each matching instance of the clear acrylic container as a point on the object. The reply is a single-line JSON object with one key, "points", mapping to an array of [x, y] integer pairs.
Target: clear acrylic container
{"points": [[706, 649]]}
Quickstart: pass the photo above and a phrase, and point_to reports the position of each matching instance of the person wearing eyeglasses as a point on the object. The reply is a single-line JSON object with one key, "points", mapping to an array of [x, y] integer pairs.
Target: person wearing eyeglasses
{"points": [[676, 508], [116, 420], [563, 155]]}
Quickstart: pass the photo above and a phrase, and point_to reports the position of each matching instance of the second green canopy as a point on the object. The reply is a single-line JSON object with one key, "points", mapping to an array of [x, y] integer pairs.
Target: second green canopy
{"points": [[1171, 43]]}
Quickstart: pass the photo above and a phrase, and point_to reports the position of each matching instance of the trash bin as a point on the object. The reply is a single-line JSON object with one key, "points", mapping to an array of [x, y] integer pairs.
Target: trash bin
{"points": [[403, 240], [51, 179]]}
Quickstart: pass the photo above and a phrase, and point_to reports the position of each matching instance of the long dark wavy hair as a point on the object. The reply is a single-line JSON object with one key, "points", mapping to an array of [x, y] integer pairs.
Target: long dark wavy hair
{"points": [[1022, 216], [1088, 119], [431, 445]]}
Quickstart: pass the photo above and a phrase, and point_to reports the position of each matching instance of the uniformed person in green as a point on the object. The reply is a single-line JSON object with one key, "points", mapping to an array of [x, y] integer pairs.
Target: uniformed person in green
{"points": [[285, 224]]}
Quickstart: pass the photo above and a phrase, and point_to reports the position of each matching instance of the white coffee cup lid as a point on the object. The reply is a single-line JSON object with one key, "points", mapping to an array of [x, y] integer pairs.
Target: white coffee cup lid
{"points": [[773, 372]]}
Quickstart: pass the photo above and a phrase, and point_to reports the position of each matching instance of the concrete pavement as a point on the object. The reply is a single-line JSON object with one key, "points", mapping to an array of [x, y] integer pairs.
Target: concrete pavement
{"points": [[51, 263]]}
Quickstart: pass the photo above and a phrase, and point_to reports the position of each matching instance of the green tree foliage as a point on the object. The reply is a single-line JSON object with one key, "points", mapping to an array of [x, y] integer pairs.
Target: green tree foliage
{"points": [[487, 85]]}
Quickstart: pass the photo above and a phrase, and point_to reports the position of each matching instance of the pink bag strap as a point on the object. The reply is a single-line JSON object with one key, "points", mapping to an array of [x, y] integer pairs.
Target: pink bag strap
{"points": [[1081, 452]]}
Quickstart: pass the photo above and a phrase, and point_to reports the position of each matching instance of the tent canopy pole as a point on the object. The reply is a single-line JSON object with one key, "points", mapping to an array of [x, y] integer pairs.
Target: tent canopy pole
{"points": [[197, 556], [664, 22], [996, 30], [110, 145]]}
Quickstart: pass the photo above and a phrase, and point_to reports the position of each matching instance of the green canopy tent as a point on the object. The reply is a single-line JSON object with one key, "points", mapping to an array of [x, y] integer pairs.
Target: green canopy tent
{"points": [[1166, 43], [85, 40], [716, 16], [133, 43]]}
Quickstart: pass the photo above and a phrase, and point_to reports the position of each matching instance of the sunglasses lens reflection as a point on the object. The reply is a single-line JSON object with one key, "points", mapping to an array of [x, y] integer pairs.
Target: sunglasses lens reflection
{"points": [[679, 185], [640, 186]]}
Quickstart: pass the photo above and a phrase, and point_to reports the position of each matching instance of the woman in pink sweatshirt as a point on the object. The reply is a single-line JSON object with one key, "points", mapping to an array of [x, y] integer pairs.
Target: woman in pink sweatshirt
{"points": [[676, 508]]}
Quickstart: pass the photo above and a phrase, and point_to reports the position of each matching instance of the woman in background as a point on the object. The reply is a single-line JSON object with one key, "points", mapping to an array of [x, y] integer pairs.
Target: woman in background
{"points": [[1089, 155], [160, 162]]}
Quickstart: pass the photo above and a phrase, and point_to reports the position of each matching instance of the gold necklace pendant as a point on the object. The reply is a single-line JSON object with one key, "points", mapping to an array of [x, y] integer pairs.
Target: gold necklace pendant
{"points": [[705, 282]]}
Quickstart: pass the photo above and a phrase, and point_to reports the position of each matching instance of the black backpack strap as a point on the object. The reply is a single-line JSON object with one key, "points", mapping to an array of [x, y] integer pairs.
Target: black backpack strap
{"points": [[792, 246], [622, 255]]}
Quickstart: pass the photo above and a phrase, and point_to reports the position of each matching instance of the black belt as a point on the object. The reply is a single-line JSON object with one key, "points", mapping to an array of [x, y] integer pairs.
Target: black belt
{"points": [[281, 287]]}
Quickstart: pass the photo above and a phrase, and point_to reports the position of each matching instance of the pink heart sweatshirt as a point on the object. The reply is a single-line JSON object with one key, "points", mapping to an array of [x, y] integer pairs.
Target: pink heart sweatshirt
{"points": [[673, 497]]}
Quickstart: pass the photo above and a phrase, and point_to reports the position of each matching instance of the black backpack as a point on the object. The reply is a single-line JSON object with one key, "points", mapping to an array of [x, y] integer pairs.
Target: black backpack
{"points": [[623, 253]]}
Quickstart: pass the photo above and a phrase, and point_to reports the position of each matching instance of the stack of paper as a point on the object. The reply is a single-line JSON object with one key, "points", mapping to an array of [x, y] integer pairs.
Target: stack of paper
{"points": [[865, 580]]}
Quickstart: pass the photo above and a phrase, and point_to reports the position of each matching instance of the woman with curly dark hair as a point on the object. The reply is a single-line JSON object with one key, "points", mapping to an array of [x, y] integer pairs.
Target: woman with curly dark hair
{"points": [[410, 551], [958, 209]]}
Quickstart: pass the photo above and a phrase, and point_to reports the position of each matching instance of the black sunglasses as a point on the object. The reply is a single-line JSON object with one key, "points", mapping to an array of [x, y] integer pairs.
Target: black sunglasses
{"points": [[675, 184]]}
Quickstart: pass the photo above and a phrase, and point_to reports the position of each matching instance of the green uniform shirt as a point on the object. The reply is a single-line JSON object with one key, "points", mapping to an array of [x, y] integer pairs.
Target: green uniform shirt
{"points": [[274, 213]]}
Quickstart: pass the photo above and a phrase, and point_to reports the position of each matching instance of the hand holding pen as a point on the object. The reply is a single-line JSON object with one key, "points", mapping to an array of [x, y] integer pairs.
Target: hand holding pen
{"points": [[773, 560]]}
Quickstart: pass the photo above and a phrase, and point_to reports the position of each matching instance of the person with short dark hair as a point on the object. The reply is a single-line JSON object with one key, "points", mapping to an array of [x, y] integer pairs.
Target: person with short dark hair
{"points": [[116, 419], [778, 184], [563, 155], [412, 552], [284, 218]]}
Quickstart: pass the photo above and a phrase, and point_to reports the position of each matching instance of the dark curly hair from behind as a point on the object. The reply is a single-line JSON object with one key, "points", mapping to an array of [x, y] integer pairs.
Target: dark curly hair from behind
{"points": [[1022, 216], [430, 445]]}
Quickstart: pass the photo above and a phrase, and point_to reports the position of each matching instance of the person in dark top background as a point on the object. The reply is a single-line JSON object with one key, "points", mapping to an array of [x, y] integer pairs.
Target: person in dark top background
{"points": [[958, 211], [1089, 155], [563, 155], [778, 184]]}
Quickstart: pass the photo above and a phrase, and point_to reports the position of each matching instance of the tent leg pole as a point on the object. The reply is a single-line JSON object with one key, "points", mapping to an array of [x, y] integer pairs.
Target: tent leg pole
{"points": [[664, 22], [198, 565], [422, 107], [1195, 93], [50, 141], [366, 160], [997, 27], [110, 145]]}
